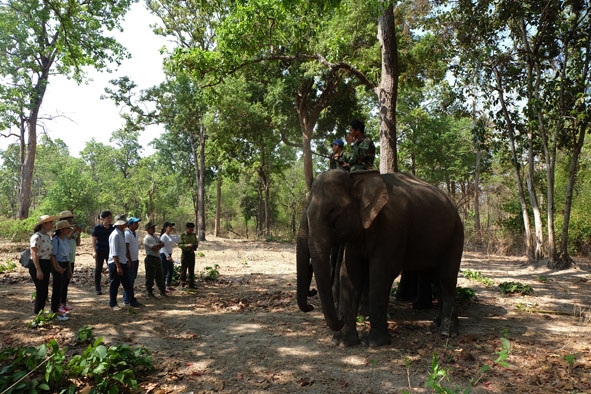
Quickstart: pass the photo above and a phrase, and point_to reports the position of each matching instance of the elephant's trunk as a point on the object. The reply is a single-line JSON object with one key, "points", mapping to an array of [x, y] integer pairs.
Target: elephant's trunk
{"points": [[321, 264], [304, 269]]}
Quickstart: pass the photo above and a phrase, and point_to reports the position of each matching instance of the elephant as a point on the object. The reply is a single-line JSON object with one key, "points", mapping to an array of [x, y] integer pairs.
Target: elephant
{"points": [[388, 223]]}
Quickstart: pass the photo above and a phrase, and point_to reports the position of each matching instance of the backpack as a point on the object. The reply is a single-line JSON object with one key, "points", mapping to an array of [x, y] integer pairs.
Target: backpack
{"points": [[25, 258]]}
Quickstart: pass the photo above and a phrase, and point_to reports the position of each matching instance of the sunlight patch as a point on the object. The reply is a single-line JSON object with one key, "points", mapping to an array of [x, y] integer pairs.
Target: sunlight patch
{"points": [[297, 351], [245, 328]]}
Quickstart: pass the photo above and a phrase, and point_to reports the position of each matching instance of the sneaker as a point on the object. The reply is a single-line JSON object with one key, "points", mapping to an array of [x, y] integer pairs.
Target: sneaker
{"points": [[62, 317], [137, 304], [98, 292], [126, 305], [67, 307], [163, 294], [116, 308], [62, 310], [149, 295]]}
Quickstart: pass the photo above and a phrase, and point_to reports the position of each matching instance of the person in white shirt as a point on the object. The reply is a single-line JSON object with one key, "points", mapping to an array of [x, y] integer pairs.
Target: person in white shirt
{"points": [[118, 266], [169, 237], [133, 256], [152, 263]]}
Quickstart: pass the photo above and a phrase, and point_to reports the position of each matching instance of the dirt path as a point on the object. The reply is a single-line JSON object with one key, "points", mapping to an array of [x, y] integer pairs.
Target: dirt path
{"points": [[243, 333]]}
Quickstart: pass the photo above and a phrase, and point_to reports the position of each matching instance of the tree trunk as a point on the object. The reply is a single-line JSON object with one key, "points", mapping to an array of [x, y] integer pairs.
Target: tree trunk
{"points": [[218, 204], [201, 184], [27, 168], [530, 252], [387, 90]]}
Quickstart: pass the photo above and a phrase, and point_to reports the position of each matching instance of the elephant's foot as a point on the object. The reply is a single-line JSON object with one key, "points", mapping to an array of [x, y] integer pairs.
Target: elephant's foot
{"points": [[448, 326], [377, 338], [345, 339]]}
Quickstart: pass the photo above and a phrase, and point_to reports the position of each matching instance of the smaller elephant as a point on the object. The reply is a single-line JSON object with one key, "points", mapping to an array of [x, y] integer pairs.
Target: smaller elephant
{"points": [[415, 287]]}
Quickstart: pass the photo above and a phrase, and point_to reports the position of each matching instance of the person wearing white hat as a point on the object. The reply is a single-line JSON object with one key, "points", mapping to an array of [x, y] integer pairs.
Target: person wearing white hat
{"points": [[118, 265], [61, 255], [40, 270]]}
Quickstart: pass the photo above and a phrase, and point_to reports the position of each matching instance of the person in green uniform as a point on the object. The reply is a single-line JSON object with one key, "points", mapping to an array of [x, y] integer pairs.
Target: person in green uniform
{"points": [[363, 149], [188, 243]]}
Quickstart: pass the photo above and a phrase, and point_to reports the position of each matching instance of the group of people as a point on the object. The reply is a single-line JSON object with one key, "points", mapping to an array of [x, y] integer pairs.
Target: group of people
{"points": [[362, 154], [116, 243], [55, 256]]}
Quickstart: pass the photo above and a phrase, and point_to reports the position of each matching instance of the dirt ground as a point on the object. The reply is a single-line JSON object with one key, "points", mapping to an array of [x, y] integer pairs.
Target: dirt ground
{"points": [[243, 333]]}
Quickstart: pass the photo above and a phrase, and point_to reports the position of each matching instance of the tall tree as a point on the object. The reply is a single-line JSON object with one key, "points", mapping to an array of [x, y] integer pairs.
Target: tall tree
{"points": [[37, 39], [538, 53]]}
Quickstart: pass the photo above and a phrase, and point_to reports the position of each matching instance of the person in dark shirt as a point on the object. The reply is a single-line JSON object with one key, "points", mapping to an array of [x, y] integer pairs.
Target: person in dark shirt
{"points": [[100, 246]]}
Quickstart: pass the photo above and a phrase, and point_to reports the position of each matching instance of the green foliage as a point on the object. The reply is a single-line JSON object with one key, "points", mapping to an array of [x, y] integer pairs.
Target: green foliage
{"points": [[570, 358], [32, 369], [42, 319], [515, 287], [465, 294], [85, 334], [111, 369], [18, 230], [9, 266], [477, 277], [211, 273], [45, 368], [438, 374]]}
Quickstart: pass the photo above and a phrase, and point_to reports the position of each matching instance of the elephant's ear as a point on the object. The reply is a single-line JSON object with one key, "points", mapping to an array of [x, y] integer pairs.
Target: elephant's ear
{"points": [[371, 194]]}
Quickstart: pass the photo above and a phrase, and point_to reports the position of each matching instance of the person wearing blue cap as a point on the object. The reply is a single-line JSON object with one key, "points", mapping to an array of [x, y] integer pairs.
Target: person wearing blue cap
{"points": [[133, 256], [337, 156]]}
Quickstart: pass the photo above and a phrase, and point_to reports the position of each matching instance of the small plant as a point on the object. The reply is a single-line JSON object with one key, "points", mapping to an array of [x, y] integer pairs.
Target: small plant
{"points": [[200, 254], [85, 334], [477, 277], [465, 294], [111, 369], [543, 279], [515, 287], [570, 358], [42, 319], [211, 273], [407, 364], [9, 266], [437, 376], [32, 369]]}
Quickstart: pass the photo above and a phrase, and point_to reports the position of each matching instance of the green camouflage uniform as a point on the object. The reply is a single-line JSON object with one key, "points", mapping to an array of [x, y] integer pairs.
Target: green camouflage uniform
{"points": [[364, 153], [188, 258]]}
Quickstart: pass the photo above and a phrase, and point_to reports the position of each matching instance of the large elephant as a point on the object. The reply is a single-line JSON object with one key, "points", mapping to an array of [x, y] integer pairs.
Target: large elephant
{"points": [[388, 223]]}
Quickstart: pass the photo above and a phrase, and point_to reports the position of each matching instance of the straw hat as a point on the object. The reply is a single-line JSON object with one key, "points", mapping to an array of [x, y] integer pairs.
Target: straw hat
{"points": [[62, 224], [44, 219], [65, 215]]}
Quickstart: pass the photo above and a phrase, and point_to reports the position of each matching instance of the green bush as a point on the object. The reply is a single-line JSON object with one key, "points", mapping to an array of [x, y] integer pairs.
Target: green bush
{"points": [[45, 368], [18, 230], [515, 287]]}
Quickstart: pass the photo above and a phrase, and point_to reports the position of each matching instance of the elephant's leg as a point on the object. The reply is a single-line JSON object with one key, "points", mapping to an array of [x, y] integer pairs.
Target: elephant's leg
{"points": [[447, 319], [379, 294], [407, 287], [424, 296], [364, 302], [352, 278]]}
